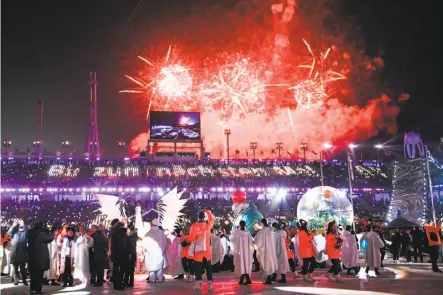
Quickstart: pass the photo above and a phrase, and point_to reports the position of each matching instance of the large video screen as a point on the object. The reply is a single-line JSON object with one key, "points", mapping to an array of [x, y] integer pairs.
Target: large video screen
{"points": [[175, 126]]}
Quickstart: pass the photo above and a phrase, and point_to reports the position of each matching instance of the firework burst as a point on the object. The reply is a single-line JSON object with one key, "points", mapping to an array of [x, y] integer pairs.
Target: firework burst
{"points": [[164, 83], [235, 90], [311, 92]]}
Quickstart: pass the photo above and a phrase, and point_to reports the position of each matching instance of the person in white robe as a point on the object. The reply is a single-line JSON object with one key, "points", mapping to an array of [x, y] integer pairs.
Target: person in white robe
{"points": [[67, 257], [266, 254], [217, 251], [226, 263], [372, 252], [155, 246], [54, 251], [243, 251], [175, 268], [280, 237], [82, 245], [349, 251]]}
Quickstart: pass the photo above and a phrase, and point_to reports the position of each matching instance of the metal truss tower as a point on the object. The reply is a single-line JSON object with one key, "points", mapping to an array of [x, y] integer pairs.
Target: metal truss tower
{"points": [[92, 148]]}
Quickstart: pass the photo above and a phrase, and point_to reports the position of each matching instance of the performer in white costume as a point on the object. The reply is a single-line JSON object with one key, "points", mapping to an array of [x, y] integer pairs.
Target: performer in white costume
{"points": [[155, 245], [243, 252], [82, 245], [175, 267], [266, 254], [373, 254], [217, 250], [282, 255], [349, 250], [54, 251]]}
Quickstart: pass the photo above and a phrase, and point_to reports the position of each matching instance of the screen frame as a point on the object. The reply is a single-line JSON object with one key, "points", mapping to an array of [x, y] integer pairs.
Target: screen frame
{"points": [[198, 139]]}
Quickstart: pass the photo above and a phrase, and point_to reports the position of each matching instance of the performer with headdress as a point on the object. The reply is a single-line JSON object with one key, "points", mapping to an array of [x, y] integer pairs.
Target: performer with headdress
{"points": [[155, 252], [266, 254]]}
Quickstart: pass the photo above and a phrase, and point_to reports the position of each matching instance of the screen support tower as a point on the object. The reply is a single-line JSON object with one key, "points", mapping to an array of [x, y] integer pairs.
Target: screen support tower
{"points": [[92, 148], [38, 142]]}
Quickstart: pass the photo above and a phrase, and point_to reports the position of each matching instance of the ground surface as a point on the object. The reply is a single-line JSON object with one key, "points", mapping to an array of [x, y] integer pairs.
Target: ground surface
{"points": [[395, 279]]}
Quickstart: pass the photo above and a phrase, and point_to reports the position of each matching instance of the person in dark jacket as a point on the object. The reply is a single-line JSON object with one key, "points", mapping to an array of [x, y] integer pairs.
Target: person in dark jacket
{"points": [[19, 250], [100, 258], [406, 245], [395, 246], [38, 255], [417, 243], [132, 257], [119, 253]]}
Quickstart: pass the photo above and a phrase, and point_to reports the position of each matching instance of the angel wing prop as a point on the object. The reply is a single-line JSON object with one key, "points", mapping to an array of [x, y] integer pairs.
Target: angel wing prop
{"points": [[111, 206], [142, 227], [169, 208]]}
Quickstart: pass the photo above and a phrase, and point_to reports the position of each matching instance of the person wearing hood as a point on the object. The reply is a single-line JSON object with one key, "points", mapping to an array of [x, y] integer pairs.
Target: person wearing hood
{"points": [[132, 257], [119, 253], [217, 251], [266, 254], [243, 252], [19, 250], [349, 250], [82, 245], [155, 252], [280, 237], [38, 255], [175, 268], [372, 252], [68, 257]]}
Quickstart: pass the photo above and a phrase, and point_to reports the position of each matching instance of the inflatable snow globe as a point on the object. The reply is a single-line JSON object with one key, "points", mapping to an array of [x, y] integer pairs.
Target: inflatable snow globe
{"points": [[323, 204]]}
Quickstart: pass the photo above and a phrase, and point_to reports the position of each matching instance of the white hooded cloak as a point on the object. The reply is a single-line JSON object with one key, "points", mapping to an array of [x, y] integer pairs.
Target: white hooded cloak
{"points": [[82, 257], [280, 237], [349, 250], [175, 267], [243, 251], [266, 254], [373, 254], [216, 249], [155, 246]]}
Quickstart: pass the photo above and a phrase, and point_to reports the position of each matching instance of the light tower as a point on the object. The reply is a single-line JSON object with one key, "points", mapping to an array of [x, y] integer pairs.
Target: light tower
{"points": [[37, 143], [93, 144]]}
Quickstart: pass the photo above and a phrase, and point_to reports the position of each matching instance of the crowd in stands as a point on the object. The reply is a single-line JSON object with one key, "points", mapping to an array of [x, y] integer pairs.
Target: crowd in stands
{"points": [[16, 173]]}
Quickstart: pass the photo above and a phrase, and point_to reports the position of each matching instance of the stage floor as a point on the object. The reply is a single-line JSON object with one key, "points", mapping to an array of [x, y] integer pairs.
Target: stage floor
{"points": [[395, 279]]}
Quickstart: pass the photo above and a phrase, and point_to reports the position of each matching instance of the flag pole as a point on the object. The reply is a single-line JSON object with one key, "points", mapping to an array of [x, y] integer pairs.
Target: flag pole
{"points": [[427, 153], [350, 177], [321, 172]]}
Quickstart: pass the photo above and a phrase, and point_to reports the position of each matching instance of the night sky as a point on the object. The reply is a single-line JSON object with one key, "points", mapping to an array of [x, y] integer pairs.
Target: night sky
{"points": [[49, 47]]}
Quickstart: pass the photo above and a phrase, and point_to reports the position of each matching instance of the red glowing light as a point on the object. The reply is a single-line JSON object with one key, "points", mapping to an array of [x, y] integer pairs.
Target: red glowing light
{"points": [[279, 88]]}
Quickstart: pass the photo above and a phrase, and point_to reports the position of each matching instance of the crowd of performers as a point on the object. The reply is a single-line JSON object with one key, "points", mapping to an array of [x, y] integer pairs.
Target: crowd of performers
{"points": [[62, 253]]}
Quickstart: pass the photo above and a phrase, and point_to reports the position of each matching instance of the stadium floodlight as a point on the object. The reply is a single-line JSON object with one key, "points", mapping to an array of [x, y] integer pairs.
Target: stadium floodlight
{"points": [[378, 146], [352, 146]]}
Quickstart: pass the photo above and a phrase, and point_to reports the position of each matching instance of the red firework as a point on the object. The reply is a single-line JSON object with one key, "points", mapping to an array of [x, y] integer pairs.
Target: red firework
{"points": [[165, 83]]}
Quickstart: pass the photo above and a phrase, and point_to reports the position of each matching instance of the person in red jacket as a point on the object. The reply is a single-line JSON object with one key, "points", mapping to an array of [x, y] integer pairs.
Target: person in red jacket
{"points": [[433, 235], [333, 250], [200, 234], [306, 250]]}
